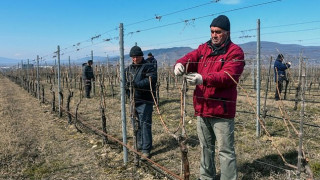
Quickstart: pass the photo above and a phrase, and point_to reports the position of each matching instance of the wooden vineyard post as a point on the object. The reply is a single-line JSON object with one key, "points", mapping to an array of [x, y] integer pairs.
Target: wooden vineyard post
{"points": [[266, 91], [76, 111], [285, 89], [59, 83], [70, 95], [53, 103], [134, 120], [182, 139], [102, 107], [60, 103], [43, 94]]}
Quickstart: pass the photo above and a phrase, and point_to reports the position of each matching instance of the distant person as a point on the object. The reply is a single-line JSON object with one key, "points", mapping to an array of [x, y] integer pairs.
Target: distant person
{"points": [[137, 75], [280, 74], [215, 96], [152, 60], [87, 77]]}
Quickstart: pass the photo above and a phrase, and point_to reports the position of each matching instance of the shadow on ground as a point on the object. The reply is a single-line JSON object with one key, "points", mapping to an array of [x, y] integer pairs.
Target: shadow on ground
{"points": [[167, 101], [165, 145], [268, 165], [193, 141]]}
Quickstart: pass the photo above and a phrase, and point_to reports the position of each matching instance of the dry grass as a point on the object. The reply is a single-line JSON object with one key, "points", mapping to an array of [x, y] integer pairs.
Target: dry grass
{"points": [[35, 144], [256, 157]]}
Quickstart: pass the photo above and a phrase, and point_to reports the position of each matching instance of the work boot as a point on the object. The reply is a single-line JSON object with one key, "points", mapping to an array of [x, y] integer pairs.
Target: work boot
{"points": [[139, 148], [145, 154]]}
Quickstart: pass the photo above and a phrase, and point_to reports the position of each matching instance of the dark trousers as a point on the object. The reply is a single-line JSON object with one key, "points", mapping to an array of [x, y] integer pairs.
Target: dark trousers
{"points": [[144, 132], [280, 86], [87, 88]]}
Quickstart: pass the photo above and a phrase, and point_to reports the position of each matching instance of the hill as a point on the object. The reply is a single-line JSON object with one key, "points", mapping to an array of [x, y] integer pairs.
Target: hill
{"points": [[170, 55], [289, 50]]}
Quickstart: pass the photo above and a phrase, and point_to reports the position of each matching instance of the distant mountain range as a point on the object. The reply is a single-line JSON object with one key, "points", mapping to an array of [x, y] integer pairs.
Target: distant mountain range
{"points": [[289, 50], [168, 56]]}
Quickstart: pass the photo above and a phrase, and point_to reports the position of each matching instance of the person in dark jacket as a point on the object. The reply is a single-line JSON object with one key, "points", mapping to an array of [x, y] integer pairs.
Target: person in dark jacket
{"points": [[215, 96], [137, 76], [152, 60], [280, 74], [88, 77]]}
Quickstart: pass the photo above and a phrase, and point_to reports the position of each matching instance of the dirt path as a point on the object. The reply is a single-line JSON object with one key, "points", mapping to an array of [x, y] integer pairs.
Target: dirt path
{"points": [[35, 144]]}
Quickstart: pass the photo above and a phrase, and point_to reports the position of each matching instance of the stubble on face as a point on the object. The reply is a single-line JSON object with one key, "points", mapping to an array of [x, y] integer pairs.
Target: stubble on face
{"points": [[218, 36]]}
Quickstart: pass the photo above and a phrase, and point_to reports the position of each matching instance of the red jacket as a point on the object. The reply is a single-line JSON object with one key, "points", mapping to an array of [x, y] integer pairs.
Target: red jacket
{"points": [[217, 96]]}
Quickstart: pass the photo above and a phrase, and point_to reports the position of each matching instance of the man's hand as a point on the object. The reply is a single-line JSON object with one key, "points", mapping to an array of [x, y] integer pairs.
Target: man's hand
{"points": [[194, 78], [178, 69]]}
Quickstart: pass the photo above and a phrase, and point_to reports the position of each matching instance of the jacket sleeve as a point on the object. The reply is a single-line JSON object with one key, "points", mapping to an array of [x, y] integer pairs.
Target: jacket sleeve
{"points": [[144, 83], [281, 67], [234, 65], [193, 59]]}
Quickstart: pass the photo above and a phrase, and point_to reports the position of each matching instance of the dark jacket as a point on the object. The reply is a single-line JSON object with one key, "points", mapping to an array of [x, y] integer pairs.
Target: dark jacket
{"points": [[139, 75], [153, 61], [281, 68], [217, 96], [87, 73]]}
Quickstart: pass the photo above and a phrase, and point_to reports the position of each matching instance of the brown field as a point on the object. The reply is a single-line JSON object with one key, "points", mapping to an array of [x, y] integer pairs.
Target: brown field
{"points": [[36, 144]]}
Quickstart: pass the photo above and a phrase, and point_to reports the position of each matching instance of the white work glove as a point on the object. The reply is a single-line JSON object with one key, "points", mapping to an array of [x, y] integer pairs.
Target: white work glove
{"points": [[178, 69], [289, 63], [194, 78]]}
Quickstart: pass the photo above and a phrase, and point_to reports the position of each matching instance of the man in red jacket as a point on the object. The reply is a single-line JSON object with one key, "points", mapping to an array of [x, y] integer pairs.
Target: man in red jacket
{"points": [[215, 96]]}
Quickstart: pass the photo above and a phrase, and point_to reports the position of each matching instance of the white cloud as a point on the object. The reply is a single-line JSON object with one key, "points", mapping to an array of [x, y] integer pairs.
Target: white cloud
{"points": [[230, 1], [17, 55]]}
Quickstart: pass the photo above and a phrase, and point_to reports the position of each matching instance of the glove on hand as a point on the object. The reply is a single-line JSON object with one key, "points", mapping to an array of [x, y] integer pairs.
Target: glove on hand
{"points": [[194, 78], [289, 63], [178, 69]]}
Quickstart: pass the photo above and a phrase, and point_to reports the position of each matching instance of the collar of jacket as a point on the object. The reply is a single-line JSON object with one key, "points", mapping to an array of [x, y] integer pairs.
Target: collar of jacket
{"points": [[217, 50]]}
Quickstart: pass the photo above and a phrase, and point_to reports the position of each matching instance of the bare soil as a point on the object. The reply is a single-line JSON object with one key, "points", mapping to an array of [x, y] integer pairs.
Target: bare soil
{"points": [[35, 144]]}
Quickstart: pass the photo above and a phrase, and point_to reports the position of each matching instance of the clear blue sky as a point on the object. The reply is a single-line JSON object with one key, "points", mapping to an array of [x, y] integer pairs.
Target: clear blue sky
{"points": [[35, 27]]}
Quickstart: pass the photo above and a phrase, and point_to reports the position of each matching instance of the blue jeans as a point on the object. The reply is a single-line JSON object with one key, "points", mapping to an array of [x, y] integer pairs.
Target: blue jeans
{"points": [[220, 130], [144, 133]]}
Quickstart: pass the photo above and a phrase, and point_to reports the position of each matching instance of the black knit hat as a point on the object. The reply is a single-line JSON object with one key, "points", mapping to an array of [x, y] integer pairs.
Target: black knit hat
{"points": [[149, 54], [136, 51], [280, 57], [90, 61], [222, 22]]}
